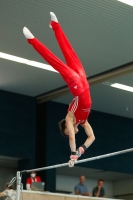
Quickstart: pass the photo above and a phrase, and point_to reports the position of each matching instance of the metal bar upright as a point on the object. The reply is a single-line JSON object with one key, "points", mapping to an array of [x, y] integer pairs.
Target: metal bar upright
{"points": [[18, 185]]}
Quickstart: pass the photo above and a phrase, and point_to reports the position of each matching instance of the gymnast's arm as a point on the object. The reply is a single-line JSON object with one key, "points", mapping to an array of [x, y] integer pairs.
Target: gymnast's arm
{"points": [[71, 131], [89, 133]]}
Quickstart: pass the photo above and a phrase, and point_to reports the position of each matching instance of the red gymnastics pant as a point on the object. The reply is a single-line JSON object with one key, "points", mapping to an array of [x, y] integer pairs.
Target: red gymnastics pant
{"points": [[73, 67]]}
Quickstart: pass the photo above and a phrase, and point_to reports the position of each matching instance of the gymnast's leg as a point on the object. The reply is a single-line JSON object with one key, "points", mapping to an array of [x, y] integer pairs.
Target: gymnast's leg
{"points": [[67, 50], [55, 62]]}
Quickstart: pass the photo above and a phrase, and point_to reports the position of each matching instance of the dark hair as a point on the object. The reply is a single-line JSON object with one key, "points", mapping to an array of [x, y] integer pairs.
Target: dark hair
{"points": [[101, 180], [62, 127], [8, 186]]}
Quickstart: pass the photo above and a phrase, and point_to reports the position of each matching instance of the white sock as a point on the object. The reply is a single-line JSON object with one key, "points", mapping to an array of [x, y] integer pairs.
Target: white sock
{"points": [[27, 33], [53, 17]]}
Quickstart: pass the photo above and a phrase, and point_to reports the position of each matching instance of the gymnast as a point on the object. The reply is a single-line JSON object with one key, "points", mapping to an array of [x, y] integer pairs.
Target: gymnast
{"points": [[74, 75]]}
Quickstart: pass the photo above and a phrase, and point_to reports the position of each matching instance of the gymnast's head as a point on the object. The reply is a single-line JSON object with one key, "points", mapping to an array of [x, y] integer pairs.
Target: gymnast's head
{"points": [[63, 128]]}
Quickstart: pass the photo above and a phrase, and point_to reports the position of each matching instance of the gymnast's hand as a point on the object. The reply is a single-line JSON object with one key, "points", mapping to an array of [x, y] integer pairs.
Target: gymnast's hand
{"points": [[81, 150], [73, 159], [71, 163]]}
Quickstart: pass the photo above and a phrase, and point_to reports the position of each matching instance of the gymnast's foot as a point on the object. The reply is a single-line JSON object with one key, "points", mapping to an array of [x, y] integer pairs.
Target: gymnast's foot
{"points": [[53, 19], [27, 33]]}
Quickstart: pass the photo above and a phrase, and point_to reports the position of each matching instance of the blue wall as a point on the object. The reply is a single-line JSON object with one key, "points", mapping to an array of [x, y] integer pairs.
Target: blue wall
{"points": [[18, 128]]}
